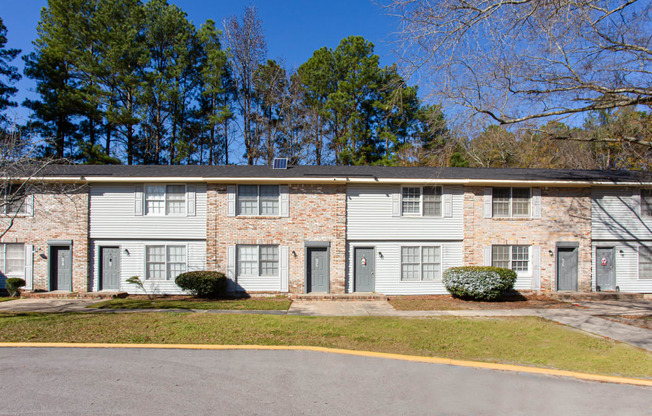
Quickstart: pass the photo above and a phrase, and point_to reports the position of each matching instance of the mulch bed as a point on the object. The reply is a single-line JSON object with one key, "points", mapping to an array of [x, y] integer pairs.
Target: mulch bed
{"points": [[448, 302], [641, 321]]}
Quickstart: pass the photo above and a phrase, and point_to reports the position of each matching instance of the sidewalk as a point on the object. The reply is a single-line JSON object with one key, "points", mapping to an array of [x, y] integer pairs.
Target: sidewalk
{"points": [[588, 319]]}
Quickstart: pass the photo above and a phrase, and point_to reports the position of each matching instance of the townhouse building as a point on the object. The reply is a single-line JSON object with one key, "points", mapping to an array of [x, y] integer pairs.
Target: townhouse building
{"points": [[329, 229]]}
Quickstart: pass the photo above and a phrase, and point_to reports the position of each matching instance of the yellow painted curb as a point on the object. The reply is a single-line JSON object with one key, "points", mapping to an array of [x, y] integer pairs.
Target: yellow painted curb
{"points": [[414, 358]]}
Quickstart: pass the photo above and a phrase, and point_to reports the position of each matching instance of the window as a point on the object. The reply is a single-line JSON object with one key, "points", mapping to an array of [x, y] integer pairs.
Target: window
{"points": [[420, 263], [511, 202], [421, 201], [516, 258], [646, 202], [258, 260], [258, 200], [12, 260], [645, 262], [165, 199], [165, 262], [14, 200]]}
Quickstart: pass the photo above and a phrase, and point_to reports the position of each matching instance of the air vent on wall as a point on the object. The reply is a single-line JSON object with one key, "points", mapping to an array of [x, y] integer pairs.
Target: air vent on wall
{"points": [[280, 163]]}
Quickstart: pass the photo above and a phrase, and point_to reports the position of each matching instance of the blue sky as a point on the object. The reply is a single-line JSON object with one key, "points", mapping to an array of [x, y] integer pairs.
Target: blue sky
{"points": [[294, 29]]}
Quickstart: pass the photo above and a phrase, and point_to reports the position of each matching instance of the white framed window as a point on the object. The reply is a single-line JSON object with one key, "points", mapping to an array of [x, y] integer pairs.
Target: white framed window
{"points": [[258, 200], [165, 199], [511, 202], [646, 202], [165, 262], [14, 199], [516, 258], [645, 262], [12, 260], [424, 201], [257, 260], [420, 263]]}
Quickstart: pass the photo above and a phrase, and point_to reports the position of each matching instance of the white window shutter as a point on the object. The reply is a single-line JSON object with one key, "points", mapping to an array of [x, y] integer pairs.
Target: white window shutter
{"points": [[636, 201], [396, 204], [138, 200], [536, 268], [29, 205], [536, 203], [285, 268], [487, 255], [487, 203], [190, 201], [230, 268], [284, 208], [448, 203], [29, 266], [230, 201]]}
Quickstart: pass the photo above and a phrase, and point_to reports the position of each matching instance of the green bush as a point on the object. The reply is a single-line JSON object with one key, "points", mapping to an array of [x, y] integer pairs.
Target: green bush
{"points": [[479, 283], [202, 284], [12, 284]]}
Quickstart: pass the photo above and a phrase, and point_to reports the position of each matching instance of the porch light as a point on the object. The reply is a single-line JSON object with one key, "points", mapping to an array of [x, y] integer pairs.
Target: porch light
{"points": [[550, 252], [127, 251], [380, 255], [294, 253]]}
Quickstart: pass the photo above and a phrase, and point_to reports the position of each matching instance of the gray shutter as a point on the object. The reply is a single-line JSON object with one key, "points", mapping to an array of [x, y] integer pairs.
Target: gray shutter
{"points": [[285, 268], [29, 266], [190, 201], [487, 203], [536, 203], [636, 201], [230, 201], [138, 200], [29, 205], [487, 255], [396, 204], [536, 268], [230, 268], [448, 203], [284, 210]]}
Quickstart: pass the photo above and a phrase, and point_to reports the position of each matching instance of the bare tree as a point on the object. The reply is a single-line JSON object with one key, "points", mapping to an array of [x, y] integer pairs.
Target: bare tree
{"points": [[527, 60], [247, 50]]}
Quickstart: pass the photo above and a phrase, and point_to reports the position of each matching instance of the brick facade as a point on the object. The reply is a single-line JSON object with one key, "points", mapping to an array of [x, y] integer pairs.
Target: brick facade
{"points": [[565, 217], [317, 213], [60, 213]]}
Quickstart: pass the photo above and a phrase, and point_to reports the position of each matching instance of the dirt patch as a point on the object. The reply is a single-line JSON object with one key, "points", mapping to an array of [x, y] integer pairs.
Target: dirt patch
{"points": [[450, 303], [641, 321]]}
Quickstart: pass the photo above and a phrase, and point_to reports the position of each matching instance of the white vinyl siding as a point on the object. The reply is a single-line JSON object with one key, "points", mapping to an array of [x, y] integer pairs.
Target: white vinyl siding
{"points": [[516, 258], [423, 201], [616, 215], [133, 263], [373, 212], [627, 264], [258, 200], [511, 202], [645, 262], [113, 216], [165, 262], [646, 203]]}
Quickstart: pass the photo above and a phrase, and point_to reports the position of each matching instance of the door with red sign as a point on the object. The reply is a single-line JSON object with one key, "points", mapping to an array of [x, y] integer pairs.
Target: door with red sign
{"points": [[606, 270]]}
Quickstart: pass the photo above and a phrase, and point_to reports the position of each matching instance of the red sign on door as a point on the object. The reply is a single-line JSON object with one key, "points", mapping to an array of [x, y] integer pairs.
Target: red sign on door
{"points": [[603, 262]]}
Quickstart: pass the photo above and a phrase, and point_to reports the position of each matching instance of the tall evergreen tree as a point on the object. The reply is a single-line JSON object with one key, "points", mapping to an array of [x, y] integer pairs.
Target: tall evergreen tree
{"points": [[8, 73]]}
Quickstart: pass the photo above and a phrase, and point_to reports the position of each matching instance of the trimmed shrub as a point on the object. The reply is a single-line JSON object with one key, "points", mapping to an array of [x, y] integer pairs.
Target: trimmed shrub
{"points": [[12, 284], [479, 283], [202, 284]]}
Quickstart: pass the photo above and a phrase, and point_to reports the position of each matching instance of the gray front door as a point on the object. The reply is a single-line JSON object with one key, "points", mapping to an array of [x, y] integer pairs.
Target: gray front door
{"points": [[606, 275], [110, 268], [318, 274], [365, 280], [61, 268], [567, 268]]}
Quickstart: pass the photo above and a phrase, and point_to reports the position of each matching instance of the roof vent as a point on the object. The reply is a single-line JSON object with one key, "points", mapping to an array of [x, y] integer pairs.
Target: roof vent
{"points": [[280, 163]]}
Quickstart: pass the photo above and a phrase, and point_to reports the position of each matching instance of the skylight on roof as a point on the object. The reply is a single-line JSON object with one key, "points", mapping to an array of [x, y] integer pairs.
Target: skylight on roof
{"points": [[280, 163]]}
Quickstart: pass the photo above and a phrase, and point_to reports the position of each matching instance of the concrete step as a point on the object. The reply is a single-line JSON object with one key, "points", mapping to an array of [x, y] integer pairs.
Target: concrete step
{"points": [[339, 297], [72, 295], [579, 296]]}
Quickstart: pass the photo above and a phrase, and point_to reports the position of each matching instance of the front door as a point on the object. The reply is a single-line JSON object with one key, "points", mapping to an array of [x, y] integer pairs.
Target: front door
{"points": [[110, 268], [567, 268], [61, 268], [606, 275], [318, 272], [364, 270]]}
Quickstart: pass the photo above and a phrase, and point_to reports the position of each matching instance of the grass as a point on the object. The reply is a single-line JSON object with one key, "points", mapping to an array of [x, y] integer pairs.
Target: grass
{"points": [[258, 304], [5, 299], [524, 340], [447, 302]]}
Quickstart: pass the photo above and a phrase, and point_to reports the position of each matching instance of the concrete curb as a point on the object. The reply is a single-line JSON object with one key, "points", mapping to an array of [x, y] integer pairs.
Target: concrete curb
{"points": [[412, 358]]}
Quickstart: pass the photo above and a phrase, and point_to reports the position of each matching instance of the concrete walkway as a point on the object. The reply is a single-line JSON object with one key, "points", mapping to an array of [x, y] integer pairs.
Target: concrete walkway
{"points": [[587, 319]]}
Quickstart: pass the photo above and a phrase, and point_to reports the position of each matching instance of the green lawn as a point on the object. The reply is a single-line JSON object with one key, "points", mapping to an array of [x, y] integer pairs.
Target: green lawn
{"points": [[528, 341], [5, 299], [250, 304]]}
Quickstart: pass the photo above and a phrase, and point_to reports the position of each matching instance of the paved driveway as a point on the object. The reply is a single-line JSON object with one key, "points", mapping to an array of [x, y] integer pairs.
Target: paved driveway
{"points": [[57, 381]]}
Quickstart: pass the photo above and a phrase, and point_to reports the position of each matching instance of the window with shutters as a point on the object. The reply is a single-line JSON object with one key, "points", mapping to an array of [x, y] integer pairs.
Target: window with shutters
{"points": [[165, 200], [516, 258], [421, 201], [14, 200], [165, 262], [12, 260], [258, 200], [646, 202], [511, 202], [645, 262], [420, 263], [257, 260]]}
